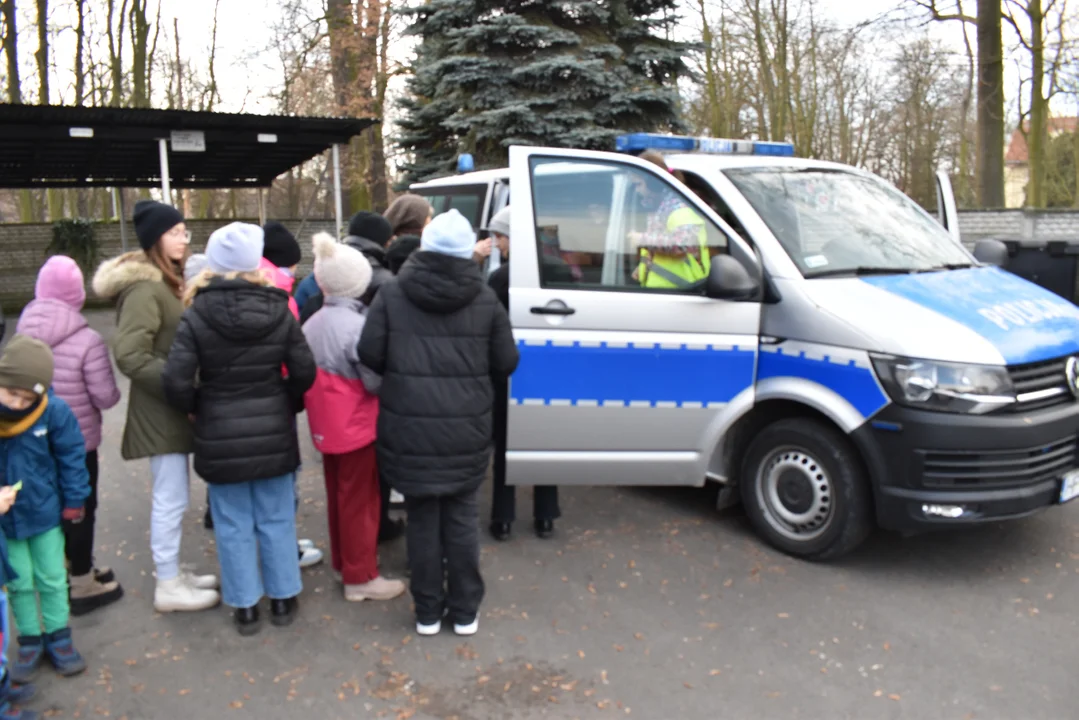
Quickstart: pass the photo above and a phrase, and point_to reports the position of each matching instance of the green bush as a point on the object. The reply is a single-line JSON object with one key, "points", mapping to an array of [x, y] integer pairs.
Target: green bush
{"points": [[75, 238]]}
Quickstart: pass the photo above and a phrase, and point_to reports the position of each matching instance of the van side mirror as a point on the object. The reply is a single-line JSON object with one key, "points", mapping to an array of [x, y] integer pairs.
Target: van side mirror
{"points": [[991, 252], [728, 279]]}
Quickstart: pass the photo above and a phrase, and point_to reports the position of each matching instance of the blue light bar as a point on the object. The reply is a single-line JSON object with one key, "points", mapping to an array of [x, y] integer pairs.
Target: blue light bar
{"points": [[465, 163], [638, 142]]}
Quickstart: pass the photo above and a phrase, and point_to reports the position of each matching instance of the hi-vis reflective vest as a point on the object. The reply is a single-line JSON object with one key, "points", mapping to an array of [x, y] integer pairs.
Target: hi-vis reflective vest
{"points": [[683, 259]]}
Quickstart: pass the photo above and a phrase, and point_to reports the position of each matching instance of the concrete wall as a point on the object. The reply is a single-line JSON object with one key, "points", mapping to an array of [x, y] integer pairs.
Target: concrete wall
{"points": [[1043, 225], [23, 248]]}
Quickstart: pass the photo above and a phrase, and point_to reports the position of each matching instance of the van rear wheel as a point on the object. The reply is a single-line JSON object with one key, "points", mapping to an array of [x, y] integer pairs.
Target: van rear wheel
{"points": [[805, 489]]}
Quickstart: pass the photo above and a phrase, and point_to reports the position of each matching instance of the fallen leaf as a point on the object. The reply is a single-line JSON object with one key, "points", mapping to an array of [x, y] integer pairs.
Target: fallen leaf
{"points": [[893, 696], [713, 673], [483, 679], [878, 693], [728, 582], [687, 686], [236, 704], [619, 648], [638, 636], [603, 677], [580, 654], [783, 615], [887, 647], [185, 691]]}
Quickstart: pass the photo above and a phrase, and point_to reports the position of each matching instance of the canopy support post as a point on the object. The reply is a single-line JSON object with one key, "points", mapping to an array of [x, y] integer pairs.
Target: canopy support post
{"points": [[337, 187], [118, 197], [163, 151]]}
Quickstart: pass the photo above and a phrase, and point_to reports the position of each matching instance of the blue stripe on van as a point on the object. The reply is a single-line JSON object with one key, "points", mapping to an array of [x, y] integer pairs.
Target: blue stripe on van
{"points": [[851, 381], [636, 373]]}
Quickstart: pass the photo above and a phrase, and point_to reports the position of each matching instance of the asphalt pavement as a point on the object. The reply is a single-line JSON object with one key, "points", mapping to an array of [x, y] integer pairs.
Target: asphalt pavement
{"points": [[647, 603]]}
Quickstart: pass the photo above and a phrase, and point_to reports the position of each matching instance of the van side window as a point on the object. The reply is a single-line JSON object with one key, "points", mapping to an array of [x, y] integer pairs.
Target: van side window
{"points": [[468, 200], [704, 191], [609, 225]]}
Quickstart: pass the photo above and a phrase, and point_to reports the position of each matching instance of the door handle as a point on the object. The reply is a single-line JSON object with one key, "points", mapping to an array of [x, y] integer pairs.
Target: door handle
{"points": [[553, 310]]}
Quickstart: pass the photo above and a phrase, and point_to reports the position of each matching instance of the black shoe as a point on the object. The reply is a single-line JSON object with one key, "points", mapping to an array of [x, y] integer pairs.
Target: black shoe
{"points": [[390, 530], [544, 528], [208, 520], [283, 612], [247, 620], [500, 531]]}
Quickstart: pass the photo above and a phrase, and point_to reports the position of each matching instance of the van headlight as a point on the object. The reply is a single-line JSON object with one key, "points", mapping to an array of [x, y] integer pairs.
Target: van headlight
{"points": [[945, 387]]}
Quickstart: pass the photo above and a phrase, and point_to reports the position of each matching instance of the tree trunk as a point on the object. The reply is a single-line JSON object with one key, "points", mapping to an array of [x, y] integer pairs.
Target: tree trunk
{"points": [[140, 39], [990, 163], [42, 54], [1039, 108], [80, 51], [11, 51], [116, 52]]}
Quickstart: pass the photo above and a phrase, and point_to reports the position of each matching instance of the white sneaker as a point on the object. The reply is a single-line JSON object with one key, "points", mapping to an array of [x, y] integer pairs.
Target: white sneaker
{"points": [[177, 596], [471, 629], [310, 557], [198, 582], [306, 544], [427, 630]]}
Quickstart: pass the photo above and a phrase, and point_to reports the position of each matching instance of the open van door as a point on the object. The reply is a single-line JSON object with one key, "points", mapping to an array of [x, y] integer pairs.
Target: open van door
{"points": [[620, 382], [946, 210]]}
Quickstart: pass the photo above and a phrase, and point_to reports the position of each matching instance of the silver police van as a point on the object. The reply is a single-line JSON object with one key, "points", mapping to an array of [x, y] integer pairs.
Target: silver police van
{"points": [[845, 363]]}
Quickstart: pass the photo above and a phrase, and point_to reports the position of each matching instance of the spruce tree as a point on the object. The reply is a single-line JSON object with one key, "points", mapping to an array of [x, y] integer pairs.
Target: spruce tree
{"points": [[561, 73]]}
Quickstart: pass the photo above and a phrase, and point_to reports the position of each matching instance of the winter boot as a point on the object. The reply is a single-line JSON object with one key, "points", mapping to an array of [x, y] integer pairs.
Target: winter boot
{"points": [[176, 595], [31, 653], [89, 594], [378, 589], [62, 653]]}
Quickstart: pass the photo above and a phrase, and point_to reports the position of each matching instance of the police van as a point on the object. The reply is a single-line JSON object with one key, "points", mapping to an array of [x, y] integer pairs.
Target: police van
{"points": [[845, 364]]}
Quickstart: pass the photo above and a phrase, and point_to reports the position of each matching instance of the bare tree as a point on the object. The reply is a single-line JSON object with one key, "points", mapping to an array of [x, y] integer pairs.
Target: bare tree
{"points": [[11, 50], [42, 54]]}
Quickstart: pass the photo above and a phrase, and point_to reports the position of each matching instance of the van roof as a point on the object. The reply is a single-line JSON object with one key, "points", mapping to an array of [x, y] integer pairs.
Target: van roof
{"points": [[693, 162]]}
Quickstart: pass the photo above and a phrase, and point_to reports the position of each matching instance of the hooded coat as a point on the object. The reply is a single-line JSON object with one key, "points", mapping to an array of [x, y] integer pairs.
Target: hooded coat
{"points": [[83, 372], [147, 315], [439, 337], [225, 369]]}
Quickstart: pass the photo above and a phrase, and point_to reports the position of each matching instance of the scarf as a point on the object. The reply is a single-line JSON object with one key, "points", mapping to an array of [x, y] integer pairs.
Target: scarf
{"points": [[13, 424]]}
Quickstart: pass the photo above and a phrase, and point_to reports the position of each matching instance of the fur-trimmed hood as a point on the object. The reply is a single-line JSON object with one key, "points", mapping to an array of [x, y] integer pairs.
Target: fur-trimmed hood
{"points": [[116, 275]]}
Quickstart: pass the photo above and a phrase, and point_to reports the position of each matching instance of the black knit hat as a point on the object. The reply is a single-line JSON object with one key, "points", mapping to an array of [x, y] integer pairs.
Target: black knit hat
{"points": [[280, 246], [154, 219], [372, 226]]}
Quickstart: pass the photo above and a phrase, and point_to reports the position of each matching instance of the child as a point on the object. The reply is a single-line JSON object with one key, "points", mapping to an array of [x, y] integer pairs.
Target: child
{"points": [[147, 286], [84, 380], [438, 336], [224, 368], [342, 416], [280, 256], [41, 452], [11, 693]]}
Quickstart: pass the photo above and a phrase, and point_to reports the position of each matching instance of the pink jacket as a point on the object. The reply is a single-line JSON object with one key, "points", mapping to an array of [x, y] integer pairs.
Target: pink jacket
{"points": [[83, 375], [341, 412], [284, 281]]}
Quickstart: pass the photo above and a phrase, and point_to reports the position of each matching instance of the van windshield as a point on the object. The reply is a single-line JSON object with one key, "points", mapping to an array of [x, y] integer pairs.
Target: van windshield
{"points": [[833, 222]]}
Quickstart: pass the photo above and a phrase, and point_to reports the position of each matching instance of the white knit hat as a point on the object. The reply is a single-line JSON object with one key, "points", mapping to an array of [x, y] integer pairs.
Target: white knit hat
{"points": [[340, 270], [450, 234]]}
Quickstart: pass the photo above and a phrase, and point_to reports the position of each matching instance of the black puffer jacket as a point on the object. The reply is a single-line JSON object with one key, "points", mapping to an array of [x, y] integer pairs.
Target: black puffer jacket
{"points": [[438, 336], [376, 255], [225, 369]]}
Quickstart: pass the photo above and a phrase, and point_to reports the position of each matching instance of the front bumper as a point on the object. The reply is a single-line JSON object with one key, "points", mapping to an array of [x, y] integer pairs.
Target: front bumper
{"points": [[994, 467]]}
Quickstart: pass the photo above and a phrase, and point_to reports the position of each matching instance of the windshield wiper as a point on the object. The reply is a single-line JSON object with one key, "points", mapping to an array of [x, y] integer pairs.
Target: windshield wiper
{"points": [[948, 266], [859, 271]]}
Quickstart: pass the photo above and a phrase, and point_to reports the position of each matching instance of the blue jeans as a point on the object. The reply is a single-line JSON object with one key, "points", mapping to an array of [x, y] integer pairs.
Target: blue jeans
{"points": [[255, 527]]}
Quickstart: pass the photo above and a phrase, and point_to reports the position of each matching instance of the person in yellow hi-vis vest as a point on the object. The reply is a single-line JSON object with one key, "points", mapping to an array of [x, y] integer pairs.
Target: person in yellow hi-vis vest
{"points": [[673, 250]]}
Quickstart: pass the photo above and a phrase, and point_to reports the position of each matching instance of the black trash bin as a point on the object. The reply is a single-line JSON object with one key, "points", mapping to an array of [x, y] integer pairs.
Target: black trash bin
{"points": [[1051, 264]]}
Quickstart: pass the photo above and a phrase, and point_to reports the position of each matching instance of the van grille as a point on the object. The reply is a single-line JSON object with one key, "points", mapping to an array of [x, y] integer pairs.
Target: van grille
{"points": [[1040, 385], [1015, 468]]}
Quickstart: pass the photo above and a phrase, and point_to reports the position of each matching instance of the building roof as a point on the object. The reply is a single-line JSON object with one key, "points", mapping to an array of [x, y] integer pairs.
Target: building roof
{"points": [[1017, 152], [59, 146]]}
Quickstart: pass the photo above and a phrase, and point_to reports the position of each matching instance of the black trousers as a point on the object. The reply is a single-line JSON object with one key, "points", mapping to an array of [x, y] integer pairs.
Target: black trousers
{"points": [[504, 498], [79, 537], [445, 527]]}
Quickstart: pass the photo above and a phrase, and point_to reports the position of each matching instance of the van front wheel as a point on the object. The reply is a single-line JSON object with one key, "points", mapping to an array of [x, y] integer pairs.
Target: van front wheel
{"points": [[805, 489]]}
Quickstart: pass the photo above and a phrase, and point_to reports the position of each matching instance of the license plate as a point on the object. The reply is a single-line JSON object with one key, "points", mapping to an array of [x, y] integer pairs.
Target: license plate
{"points": [[1069, 488]]}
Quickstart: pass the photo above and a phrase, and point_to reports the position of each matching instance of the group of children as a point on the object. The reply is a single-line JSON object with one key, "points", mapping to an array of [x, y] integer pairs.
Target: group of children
{"points": [[396, 367]]}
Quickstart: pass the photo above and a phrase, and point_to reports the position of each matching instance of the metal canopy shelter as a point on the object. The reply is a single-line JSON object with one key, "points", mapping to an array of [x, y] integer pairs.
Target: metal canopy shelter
{"points": [[48, 146]]}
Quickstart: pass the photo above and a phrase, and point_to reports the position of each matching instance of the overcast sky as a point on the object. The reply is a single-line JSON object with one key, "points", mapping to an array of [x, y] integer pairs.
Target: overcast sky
{"points": [[246, 82]]}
